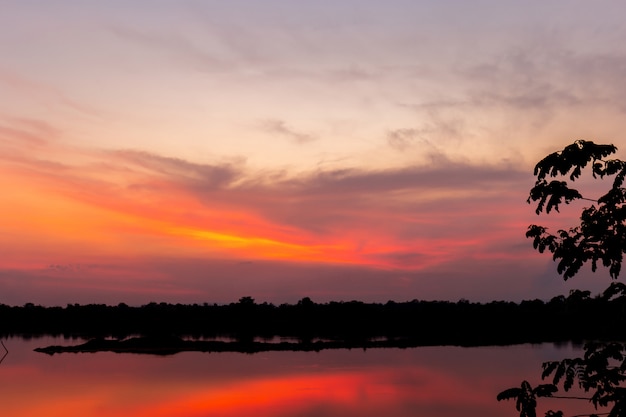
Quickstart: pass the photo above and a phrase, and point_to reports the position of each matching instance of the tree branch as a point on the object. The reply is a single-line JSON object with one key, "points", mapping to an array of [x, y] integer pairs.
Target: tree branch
{"points": [[569, 398], [6, 351]]}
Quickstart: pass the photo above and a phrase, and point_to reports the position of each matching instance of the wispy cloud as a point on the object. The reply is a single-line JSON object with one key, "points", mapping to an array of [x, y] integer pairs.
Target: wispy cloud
{"points": [[42, 93], [205, 175], [176, 48], [281, 128], [402, 139], [411, 217], [32, 134], [540, 80]]}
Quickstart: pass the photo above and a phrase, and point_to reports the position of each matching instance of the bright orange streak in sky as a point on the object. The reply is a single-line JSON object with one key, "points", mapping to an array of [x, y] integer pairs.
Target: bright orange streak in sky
{"points": [[102, 209], [56, 217]]}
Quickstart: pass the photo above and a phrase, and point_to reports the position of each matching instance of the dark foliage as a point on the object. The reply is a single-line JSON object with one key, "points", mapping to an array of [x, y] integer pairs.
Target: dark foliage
{"points": [[599, 237], [526, 397], [601, 234]]}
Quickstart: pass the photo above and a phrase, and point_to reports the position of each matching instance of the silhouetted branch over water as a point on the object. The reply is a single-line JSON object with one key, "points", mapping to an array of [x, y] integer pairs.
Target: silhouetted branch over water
{"points": [[6, 351], [598, 239]]}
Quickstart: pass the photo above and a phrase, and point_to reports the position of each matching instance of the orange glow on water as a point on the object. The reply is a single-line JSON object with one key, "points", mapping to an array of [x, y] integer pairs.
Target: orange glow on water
{"points": [[262, 398], [434, 381], [363, 393], [294, 395]]}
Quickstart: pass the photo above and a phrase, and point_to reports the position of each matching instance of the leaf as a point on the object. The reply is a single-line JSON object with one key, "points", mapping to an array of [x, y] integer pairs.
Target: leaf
{"points": [[545, 390], [554, 193], [548, 368], [509, 394], [616, 288], [573, 158]]}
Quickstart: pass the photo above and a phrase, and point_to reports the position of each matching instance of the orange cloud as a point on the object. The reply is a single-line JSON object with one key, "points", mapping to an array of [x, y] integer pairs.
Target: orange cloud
{"points": [[128, 208]]}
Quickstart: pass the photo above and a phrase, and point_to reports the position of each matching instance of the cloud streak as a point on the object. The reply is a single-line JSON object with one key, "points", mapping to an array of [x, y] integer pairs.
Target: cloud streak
{"points": [[413, 217], [281, 128]]}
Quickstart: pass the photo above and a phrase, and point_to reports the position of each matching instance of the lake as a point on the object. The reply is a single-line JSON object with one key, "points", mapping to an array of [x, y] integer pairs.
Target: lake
{"points": [[417, 382]]}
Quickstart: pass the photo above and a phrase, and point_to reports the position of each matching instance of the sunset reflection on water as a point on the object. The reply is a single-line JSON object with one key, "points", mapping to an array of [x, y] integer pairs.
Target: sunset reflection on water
{"points": [[430, 381]]}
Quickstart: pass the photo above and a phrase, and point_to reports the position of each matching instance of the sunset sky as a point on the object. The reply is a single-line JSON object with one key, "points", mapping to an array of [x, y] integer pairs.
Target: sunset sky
{"points": [[201, 151]]}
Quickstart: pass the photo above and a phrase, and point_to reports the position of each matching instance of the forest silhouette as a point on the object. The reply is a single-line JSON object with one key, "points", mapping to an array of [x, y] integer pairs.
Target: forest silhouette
{"points": [[313, 326]]}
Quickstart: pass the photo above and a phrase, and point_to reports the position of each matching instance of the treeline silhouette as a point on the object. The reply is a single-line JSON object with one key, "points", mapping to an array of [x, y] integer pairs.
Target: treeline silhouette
{"points": [[577, 317]]}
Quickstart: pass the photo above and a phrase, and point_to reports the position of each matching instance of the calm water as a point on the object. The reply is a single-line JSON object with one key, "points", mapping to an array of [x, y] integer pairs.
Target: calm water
{"points": [[424, 382]]}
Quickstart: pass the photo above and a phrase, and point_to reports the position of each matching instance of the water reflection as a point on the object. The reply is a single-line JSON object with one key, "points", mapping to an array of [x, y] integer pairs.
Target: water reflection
{"points": [[4, 353], [431, 381]]}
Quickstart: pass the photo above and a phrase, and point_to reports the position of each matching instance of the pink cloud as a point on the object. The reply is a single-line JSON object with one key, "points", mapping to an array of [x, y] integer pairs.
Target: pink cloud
{"points": [[197, 230]]}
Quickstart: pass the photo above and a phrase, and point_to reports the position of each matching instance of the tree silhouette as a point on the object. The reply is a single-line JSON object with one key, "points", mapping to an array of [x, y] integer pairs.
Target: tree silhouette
{"points": [[600, 237], [601, 234], [526, 397]]}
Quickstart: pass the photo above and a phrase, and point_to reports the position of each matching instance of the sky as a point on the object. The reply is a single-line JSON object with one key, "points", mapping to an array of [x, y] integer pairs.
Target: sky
{"points": [[202, 151]]}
